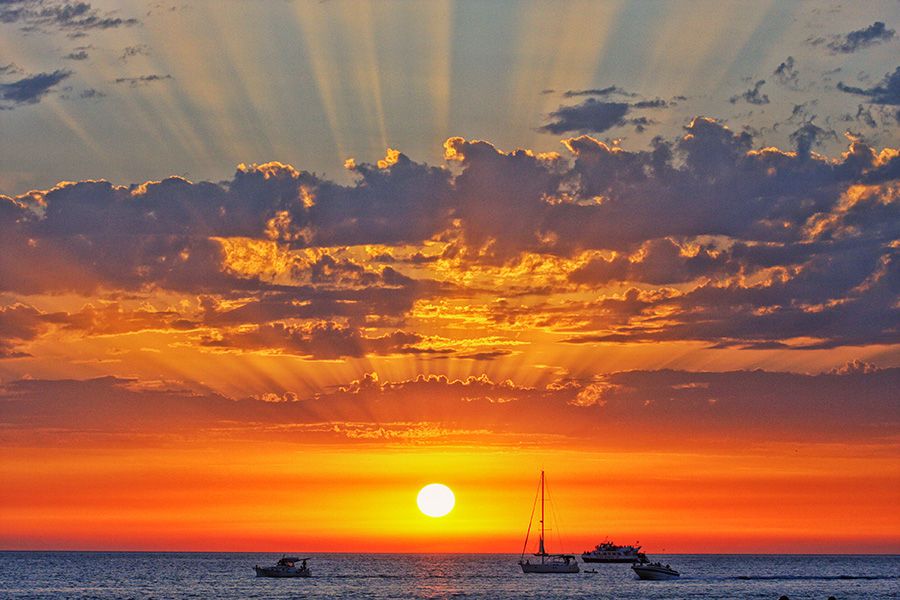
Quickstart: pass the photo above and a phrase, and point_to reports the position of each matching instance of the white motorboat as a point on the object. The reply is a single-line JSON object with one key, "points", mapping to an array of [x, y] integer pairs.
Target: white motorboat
{"points": [[656, 571], [608, 552], [285, 567], [548, 563]]}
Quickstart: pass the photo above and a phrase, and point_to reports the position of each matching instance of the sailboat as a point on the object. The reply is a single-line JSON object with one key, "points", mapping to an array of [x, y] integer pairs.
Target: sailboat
{"points": [[549, 563]]}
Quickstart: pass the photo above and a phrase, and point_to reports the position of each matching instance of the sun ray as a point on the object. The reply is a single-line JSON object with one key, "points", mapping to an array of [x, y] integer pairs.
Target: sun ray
{"points": [[238, 64], [440, 19], [563, 56], [312, 23], [361, 19]]}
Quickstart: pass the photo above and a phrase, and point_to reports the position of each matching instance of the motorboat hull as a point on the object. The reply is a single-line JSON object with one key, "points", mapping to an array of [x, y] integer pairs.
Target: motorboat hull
{"points": [[655, 573], [549, 567], [282, 572]]}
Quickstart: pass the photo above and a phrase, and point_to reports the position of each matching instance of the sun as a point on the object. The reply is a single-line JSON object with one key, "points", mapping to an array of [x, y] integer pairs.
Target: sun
{"points": [[435, 500]]}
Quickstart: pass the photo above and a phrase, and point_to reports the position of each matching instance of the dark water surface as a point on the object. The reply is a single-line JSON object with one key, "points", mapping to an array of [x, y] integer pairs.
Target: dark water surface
{"points": [[106, 575]]}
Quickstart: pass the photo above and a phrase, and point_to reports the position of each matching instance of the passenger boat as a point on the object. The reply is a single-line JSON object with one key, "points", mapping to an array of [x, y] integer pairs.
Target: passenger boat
{"points": [[608, 552], [285, 567], [548, 563]]}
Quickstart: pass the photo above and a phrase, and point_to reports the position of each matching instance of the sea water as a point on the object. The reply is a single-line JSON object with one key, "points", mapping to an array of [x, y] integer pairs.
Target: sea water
{"points": [[160, 575]]}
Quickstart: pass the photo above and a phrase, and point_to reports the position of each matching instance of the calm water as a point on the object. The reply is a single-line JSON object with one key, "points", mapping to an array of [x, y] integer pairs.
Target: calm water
{"points": [[230, 575]]}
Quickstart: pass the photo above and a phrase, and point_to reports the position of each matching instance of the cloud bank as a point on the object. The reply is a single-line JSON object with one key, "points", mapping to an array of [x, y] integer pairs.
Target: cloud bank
{"points": [[702, 238], [684, 409]]}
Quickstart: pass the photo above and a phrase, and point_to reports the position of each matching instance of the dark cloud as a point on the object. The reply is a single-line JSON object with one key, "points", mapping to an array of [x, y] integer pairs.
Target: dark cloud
{"points": [[325, 340], [132, 51], [78, 54], [19, 323], [29, 90], [10, 69], [99, 235], [600, 92], [886, 92], [597, 116], [808, 136], [592, 115], [368, 211], [91, 93], [486, 355], [655, 103], [802, 112], [658, 262], [752, 96], [141, 80], [866, 280], [75, 17], [864, 115], [787, 74], [875, 33]]}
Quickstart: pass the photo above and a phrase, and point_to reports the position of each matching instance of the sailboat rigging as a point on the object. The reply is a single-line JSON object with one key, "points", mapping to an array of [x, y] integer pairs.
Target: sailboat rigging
{"points": [[549, 563]]}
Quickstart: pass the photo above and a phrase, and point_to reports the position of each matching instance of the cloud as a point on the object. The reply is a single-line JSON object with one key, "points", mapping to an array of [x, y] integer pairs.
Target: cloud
{"points": [[597, 116], [77, 55], [660, 261], [752, 96], [762, 245], [601, 92], [132, 51], [875, 33], [786, 74], [807, 136], [10, 69], [592, 115], [31, 89], [91, 93], [76, 17], [886, 92], [18, 323], [805, 307], [80, 53], [141, 80], [324, 340], [854, 367], [21, 323]]}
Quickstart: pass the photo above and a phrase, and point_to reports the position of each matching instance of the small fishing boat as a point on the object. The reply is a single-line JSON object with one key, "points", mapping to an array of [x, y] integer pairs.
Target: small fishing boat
{"points": [[654, 571], [549, 563], [285, 567]]}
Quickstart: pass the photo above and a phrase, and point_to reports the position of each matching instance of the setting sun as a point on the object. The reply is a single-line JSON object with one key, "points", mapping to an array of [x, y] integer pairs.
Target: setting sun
{"points": [[435, 500]]}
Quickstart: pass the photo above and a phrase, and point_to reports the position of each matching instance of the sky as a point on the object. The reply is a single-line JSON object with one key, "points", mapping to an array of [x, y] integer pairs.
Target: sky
{"points": [[269, 267]]}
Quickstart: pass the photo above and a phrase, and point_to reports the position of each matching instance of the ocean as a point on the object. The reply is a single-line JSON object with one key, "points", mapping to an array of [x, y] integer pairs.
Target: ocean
{"points": [[161, 575]]}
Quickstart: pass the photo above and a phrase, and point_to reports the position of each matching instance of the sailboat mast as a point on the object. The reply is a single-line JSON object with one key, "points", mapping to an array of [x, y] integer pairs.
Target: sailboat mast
{"points": [[542, 516]]}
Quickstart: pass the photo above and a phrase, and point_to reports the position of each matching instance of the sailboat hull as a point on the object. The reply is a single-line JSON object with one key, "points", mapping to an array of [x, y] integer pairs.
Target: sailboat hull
{"points": [[549, 563], [528, 567]]}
